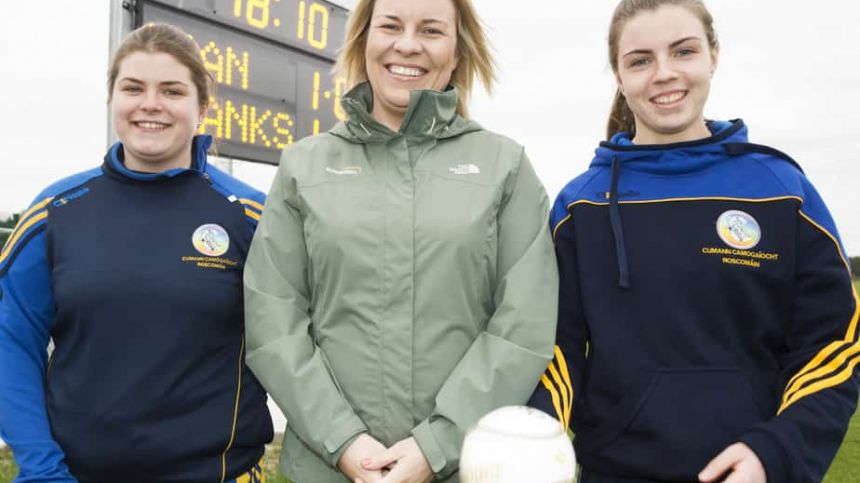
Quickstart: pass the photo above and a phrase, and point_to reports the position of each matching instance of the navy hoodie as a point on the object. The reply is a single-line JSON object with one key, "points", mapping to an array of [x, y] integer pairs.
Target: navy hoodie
{"points": [[705, 299], [137, 278]]}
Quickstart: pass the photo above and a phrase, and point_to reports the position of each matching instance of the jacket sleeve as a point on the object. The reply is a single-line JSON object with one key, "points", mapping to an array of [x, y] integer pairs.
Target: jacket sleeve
{"points": [[281, 352], [555, 391], [822, 351], [26, 313], [504, 362]]}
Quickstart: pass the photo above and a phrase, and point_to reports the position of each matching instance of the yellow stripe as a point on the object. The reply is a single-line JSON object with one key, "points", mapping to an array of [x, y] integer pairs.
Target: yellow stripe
{"points": [[558, 225], [823, 354], [704, 198], [38, 206], [19, 232], [246, 201], [809, 371], [252, 214], [832, 238], [554, 395], [839, 378], [562, 364], [671, 200], [821, 371], [565, 399], [235, 414], [852, 326]]}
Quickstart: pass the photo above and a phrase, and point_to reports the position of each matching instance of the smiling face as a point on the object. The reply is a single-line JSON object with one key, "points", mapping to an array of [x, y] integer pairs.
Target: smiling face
{"points": [[155, 111], [665, 66], [411, 45]]}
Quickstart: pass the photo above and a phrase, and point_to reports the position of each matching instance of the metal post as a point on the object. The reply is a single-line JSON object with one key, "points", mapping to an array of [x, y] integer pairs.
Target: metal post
{"points": [[121, 24]]}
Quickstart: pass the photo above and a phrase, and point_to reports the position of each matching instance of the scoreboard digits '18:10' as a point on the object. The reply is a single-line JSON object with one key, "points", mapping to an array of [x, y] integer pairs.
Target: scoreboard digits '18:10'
{"points": [[271, 60], [295, 21]]}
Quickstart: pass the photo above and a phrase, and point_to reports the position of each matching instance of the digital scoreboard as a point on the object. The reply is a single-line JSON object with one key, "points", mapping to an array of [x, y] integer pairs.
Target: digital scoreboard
{"points": [[272, 62]]}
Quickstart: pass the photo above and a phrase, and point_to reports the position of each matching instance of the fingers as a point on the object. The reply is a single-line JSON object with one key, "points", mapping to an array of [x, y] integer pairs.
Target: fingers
{"points": [[381, 460], [722, 464]]}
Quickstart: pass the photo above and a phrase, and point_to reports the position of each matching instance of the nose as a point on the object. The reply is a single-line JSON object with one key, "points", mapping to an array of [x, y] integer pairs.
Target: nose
{"points": [[665, 70], [407, 43], [150, 101]]}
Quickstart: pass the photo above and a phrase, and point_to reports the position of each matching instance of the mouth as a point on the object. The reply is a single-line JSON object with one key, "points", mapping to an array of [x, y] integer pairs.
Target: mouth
{"points": [[409, 71], [669, 98], [151, 125]]}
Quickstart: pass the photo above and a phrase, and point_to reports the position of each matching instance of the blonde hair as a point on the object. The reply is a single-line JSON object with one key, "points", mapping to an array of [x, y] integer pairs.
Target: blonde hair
{"points": [[160, 37], [473, 51], [621, 117]]}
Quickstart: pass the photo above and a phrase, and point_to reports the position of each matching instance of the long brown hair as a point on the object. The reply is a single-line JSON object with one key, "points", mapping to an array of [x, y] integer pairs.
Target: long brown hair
{"points": [[473, 51], [159, 37], [621, 117]]}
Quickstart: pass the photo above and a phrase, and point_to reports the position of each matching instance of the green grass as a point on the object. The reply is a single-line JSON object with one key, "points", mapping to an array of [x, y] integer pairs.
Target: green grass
{"points": [[7, 466], [846, 465]]}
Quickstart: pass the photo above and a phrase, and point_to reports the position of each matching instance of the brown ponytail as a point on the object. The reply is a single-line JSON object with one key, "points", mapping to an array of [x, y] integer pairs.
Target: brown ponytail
{"points": [[620, 117]]}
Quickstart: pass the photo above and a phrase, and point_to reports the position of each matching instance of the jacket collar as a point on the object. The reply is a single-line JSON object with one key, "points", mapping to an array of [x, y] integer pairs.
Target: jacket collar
{"points": [[674, 158], [430, 114], [114, 163]]}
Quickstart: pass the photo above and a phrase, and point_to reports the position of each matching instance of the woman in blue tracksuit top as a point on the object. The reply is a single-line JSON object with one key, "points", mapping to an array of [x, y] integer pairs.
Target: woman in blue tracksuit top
{"points": [[134, 269], [707, 321]]}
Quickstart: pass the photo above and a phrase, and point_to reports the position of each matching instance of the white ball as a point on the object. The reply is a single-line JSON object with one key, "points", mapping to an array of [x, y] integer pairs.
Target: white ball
{"points": [[517, 444]]}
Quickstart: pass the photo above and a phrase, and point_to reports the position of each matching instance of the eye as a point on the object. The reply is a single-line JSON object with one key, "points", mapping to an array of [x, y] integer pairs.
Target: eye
{"points": [[393, 27], [639, 62], [432, 31], [174, 92], [131, 89], [685, 51]]}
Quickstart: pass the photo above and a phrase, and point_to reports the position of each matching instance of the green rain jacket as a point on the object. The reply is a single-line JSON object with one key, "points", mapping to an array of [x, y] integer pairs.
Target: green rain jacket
{"points": [[400, 284]]}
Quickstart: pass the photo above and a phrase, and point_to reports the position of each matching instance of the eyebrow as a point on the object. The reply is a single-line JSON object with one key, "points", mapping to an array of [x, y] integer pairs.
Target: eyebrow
{"points": [[390, 16], [165, 83], [672, 45]]}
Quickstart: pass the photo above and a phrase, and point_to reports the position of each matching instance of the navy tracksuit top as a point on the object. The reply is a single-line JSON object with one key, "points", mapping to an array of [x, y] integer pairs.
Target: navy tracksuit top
{"points": [[705, 299], [137, 278]]}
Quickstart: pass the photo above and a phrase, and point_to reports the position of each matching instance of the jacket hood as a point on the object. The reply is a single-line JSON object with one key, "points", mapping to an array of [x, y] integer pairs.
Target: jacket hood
{"points": [[662, 159], [673, 158], [114, 162], [430, 114]]}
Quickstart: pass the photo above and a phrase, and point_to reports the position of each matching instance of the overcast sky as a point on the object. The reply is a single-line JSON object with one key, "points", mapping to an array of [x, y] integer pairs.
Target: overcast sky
{"points": [[789, 69]]}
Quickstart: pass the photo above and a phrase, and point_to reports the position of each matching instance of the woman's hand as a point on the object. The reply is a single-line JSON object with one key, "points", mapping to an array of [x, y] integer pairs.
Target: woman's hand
{"points": [[405, 464], [736, 464], [363, 449]]}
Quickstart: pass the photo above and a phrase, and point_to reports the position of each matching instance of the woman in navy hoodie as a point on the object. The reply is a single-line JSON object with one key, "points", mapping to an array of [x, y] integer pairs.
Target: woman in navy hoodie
{"points": [[134, 270], [707, 321]]}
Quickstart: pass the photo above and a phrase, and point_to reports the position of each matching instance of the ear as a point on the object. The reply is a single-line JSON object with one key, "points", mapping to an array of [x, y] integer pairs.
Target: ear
{"points": [[619, 84]]}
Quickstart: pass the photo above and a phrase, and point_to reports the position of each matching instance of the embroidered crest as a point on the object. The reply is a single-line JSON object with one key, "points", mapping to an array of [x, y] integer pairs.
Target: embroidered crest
{"points": [[211, 240], [738, 229]]}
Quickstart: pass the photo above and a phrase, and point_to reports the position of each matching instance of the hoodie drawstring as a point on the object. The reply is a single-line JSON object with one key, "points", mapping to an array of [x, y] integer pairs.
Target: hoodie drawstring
{"points": [[618, 228]]}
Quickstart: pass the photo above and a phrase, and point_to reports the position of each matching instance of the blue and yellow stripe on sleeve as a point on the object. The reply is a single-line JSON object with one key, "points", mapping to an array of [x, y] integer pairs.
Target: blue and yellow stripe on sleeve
{"points": [[32, 222], [556, 380], [253, 209], [835, 363]]}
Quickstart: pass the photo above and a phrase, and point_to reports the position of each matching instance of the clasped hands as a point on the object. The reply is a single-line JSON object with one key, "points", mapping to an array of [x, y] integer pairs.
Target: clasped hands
{"points": [[366, 460]]}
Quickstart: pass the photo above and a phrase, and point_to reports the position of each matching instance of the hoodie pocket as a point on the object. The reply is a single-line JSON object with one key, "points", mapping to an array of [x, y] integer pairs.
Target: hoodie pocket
{"points": [[671, 423]]}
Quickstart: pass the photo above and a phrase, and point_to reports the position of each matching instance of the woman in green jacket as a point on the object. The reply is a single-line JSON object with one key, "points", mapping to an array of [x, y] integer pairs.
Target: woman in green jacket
{"points": [[402, 281]]}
